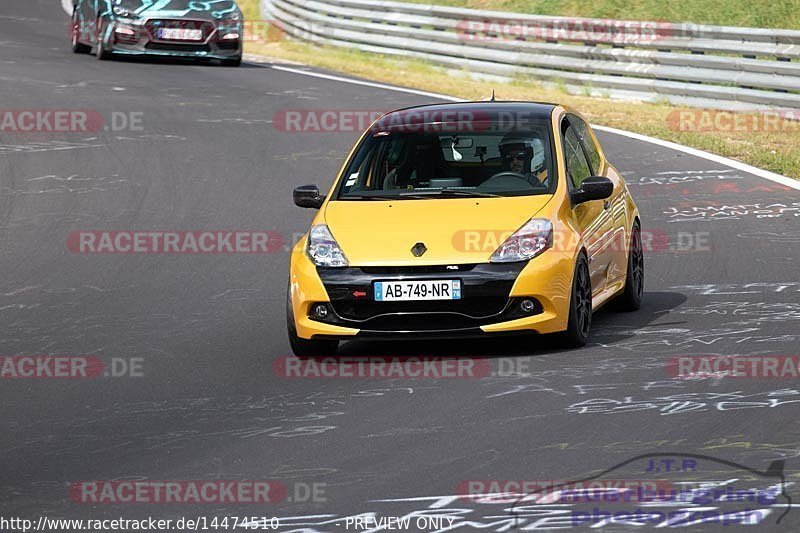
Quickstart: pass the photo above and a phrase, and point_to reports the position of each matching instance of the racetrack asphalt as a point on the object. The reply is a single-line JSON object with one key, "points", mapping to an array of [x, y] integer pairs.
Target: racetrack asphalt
{"points": [[205, 329]]}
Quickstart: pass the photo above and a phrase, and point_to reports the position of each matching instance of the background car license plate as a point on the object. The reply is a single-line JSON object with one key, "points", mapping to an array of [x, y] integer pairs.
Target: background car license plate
{"points": [[181, 34], [440, 289]]}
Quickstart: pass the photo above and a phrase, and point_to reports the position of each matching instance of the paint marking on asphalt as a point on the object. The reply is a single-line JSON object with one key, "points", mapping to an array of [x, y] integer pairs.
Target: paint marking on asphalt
{"points": [[777, 178], [761, 173]]}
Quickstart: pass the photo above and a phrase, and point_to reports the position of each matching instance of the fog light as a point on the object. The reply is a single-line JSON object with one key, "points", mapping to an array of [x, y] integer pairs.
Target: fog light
{"points": [[125, 31], [527, 306], [320, 311], [231, 36]]}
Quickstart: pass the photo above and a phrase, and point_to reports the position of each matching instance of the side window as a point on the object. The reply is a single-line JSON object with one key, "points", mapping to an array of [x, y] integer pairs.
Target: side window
{"points": [[592, 150], [574, 158]]}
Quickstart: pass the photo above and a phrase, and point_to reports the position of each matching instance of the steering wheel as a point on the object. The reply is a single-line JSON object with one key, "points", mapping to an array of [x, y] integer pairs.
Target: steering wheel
{"points": [[508, 179]]}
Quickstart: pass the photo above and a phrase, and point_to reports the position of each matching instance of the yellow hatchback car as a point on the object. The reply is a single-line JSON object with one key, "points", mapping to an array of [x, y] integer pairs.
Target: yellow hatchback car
{"points": [[454, 220]]}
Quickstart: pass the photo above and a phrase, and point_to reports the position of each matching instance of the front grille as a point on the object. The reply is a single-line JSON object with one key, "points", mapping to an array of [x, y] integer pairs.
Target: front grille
{"points": [[411, 270], [178, 47], [485, 290], [153, 25], [421, 322], [228, 45], [475, 308]]}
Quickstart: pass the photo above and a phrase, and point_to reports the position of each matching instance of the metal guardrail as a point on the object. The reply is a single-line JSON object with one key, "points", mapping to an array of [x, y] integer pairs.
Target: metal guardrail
{"points": [[688, 64]]}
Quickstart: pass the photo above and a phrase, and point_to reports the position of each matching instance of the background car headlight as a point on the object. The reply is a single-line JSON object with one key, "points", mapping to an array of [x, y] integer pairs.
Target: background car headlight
{"points": [[323, 249], [124, 12], [232, 17], [527, 242]]}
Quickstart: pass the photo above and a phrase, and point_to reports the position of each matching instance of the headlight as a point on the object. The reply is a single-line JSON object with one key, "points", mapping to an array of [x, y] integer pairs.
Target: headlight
{"points": [[124, 12], [527, 242], [232, 17], [323, 249], [129, 21]]}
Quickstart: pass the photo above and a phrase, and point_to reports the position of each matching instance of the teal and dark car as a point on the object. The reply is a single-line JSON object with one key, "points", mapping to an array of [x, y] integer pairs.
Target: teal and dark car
{"points": [[202, 29]]}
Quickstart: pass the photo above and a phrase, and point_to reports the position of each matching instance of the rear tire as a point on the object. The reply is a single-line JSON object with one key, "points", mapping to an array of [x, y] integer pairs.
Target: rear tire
{"points": [[580, 307], [631, 297], [77, 46], [306, 347]]}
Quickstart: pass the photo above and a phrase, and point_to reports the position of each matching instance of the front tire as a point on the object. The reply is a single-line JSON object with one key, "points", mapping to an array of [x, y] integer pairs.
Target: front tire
{"points": [[580, 307], [305, 347], [631, 297], [232, 62], [101, 51], [77, 46]]}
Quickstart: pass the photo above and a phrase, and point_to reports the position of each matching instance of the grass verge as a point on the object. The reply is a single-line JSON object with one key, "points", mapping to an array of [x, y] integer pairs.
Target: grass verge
{"points": [[753, 13], [772, 146]]}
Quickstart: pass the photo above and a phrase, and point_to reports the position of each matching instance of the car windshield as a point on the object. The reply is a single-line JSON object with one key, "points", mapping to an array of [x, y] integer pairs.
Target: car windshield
{"points": [[436, 161]]}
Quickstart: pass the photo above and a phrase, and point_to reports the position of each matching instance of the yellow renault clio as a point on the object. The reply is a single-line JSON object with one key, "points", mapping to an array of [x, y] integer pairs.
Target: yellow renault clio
{"points": [[479, 218]]}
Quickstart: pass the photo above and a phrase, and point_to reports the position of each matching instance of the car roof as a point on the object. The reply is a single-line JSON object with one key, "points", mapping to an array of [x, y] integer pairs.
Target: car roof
{"points": [[489, 111]]}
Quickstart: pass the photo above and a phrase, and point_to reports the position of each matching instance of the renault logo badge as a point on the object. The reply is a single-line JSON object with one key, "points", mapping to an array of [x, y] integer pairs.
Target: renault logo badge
{"points": [[418, 249]]}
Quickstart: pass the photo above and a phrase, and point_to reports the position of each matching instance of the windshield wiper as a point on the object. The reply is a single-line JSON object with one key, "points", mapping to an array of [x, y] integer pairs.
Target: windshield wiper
{"points": [[422, 195], [474, 194], [370, 197]]}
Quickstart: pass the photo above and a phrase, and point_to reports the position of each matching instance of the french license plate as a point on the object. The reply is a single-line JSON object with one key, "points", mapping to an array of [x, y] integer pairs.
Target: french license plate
{"points": [[180, 34], [438, 289]]}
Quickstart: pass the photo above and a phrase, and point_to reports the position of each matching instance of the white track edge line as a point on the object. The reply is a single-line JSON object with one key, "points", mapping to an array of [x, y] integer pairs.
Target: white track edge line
{"points": [[761, 173], [369, 84]]}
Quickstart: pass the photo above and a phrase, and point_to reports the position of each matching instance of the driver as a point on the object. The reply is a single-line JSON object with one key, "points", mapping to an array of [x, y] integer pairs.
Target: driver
{"points": [[523, 153]]}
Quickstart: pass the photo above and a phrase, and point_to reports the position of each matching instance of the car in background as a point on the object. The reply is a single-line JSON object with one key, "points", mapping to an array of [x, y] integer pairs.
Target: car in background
{"points": [[201, 29], [468, 219]]}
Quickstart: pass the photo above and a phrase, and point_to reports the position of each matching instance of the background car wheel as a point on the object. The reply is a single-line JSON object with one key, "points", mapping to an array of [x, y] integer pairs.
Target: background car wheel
{"points": [[580, 308], [631, 297], [232, 62], [77, 46], [101, 51], [305, 347]]}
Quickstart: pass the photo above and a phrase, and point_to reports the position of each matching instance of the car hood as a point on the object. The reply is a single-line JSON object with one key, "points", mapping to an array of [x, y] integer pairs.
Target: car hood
{"points": [[454, 231], [206, 9]]}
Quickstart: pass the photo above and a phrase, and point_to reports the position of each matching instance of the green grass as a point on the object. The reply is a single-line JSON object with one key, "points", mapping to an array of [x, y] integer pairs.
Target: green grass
{"points": [[773, 150], [755, 13], [251, 9]]}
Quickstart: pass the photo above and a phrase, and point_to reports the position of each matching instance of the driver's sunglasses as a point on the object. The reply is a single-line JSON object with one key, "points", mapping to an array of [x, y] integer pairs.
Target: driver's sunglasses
{"points": [[516, 155]]}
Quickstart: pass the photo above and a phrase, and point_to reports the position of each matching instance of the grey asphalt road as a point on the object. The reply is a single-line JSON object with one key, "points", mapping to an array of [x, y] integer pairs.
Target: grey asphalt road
{"points": [[203, 330]]}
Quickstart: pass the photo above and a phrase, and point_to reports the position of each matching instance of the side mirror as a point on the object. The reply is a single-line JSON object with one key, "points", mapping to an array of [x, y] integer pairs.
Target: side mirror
{"points": [[593, 188], [308, 196]]}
